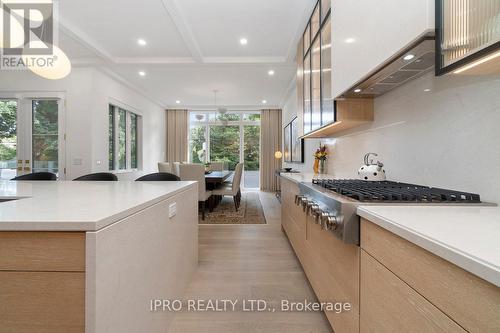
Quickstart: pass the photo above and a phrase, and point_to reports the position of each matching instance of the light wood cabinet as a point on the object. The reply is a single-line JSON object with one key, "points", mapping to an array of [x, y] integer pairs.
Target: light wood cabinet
{"points": [[42, 282], [42, 302], [293, 219], [331, 266], [350, 113], [389, 305], [333, 271], [471, 302], [42, 251]]}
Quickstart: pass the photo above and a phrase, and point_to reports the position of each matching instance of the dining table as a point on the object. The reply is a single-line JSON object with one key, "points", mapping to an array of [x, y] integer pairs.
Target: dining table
{"points": [[214, 178]]}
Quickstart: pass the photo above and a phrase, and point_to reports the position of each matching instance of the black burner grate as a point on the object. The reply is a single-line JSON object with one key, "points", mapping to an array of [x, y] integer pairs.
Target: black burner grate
{"points": [[385, 191]]}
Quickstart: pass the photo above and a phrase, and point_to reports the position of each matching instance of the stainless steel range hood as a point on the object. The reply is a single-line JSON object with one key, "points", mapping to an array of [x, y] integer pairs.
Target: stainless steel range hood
{"points": [[396, 71]]}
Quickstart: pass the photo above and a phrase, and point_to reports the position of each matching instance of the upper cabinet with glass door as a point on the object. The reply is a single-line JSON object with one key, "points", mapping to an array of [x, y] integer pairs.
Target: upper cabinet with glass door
{"points": [[321, 115], [468, 37], [316, 72]]}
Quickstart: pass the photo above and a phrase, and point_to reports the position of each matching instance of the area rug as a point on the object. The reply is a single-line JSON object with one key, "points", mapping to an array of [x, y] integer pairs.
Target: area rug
{"points": [[250, 211]]}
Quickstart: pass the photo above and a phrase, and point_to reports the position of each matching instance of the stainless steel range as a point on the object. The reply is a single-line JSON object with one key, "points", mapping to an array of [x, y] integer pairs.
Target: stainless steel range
{"points": [[332, 203]]}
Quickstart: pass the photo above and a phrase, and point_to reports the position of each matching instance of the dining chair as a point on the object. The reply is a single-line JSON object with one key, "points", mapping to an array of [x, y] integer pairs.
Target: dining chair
{"points": [[232, 189], [176, 168], [99, 176], [216, 166], [164, 167], [158, 177], [37, 176], [196, 172]]}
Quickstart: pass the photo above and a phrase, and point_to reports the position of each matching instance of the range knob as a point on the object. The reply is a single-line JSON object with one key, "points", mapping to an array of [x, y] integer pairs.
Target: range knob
{"points": [[329, 221], [310, 204], [314, 208], [298, 199], [305, 203], [316, 214]]}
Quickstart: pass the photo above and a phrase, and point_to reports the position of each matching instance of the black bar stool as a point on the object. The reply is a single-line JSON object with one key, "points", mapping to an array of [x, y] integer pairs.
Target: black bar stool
{"points": [[99, 176], [37, 176], [159, 176]]}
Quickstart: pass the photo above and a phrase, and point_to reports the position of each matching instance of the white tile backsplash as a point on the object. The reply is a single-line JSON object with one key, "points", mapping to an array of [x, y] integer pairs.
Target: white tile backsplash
{"points": [[448, 137]]}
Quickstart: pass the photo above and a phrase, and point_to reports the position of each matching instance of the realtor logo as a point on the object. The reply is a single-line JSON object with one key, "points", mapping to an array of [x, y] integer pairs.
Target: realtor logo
{"points": [[28, 38], [27, 29]]}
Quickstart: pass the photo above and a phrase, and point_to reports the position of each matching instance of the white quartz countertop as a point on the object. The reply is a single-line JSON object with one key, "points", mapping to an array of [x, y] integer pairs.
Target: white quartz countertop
{"points": [[469, 237], [77, 206]]}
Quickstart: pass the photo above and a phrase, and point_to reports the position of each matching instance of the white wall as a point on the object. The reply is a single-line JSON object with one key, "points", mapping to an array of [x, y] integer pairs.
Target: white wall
{"points": [[444, 138], [88, 92]]}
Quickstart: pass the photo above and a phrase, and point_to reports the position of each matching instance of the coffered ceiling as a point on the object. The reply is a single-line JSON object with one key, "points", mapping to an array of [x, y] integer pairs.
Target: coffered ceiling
{"points": [[192, 47]]}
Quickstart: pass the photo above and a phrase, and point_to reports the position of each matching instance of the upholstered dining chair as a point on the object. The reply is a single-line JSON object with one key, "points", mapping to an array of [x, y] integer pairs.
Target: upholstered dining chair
{"points": [[164, 167], [37, 176], [216, 166], [196, 172], [232, 189], [176, 168]]}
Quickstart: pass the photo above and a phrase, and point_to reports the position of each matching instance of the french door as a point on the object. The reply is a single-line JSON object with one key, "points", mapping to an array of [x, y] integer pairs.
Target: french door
{"points": [[31, 136]]}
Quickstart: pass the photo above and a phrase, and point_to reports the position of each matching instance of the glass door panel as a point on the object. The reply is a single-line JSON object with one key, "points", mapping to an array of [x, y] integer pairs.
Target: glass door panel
{"points": [[225, 144], [251, 155], [122, 139], [45, 136], [325, 7], [8, 139], [327, 114], [307, 94], [316, 84], [315, 22], [197, 144]]}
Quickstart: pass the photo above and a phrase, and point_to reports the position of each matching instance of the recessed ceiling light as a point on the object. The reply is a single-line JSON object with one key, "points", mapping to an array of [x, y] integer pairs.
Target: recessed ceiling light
{"points": [[349, 40], [141, 42], [264, 101], [408, 57], [243, 41], [177, 102], [142, 73], [270, 73], [427, 90], [357, 90]]}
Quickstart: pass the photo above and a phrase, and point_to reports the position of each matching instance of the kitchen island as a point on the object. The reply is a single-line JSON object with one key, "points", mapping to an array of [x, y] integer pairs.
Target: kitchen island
{"points": [[90, 256]]}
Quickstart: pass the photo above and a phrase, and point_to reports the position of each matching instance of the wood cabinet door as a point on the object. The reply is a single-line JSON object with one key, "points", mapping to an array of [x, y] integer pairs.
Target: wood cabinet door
{"points": [[333, 270], [42, 302], [390, 305]]}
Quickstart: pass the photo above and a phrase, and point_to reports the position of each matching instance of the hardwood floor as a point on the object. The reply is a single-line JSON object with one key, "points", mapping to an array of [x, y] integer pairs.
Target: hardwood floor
{"points": [[242, 262]]}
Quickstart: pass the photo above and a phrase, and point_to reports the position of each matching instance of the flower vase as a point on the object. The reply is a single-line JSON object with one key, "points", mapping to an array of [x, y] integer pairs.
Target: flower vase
{"points": [[322, 166], [316, 166]]}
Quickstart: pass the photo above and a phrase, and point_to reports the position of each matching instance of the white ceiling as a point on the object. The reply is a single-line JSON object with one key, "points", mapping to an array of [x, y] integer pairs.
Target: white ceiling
{"points": [[192, 46]]}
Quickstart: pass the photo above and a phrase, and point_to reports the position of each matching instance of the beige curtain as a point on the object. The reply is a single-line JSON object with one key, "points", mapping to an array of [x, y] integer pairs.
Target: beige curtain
{"points": [[177, 135], [270, 141]]}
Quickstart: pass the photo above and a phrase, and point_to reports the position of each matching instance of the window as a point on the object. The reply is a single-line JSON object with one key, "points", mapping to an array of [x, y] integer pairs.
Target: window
{"points": [[232, 137], [111, 137], [133, 141], [124, 147]]}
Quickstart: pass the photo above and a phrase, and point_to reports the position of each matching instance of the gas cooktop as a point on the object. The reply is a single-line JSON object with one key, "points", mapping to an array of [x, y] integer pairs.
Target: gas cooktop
{"points": [[388, 191]]}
